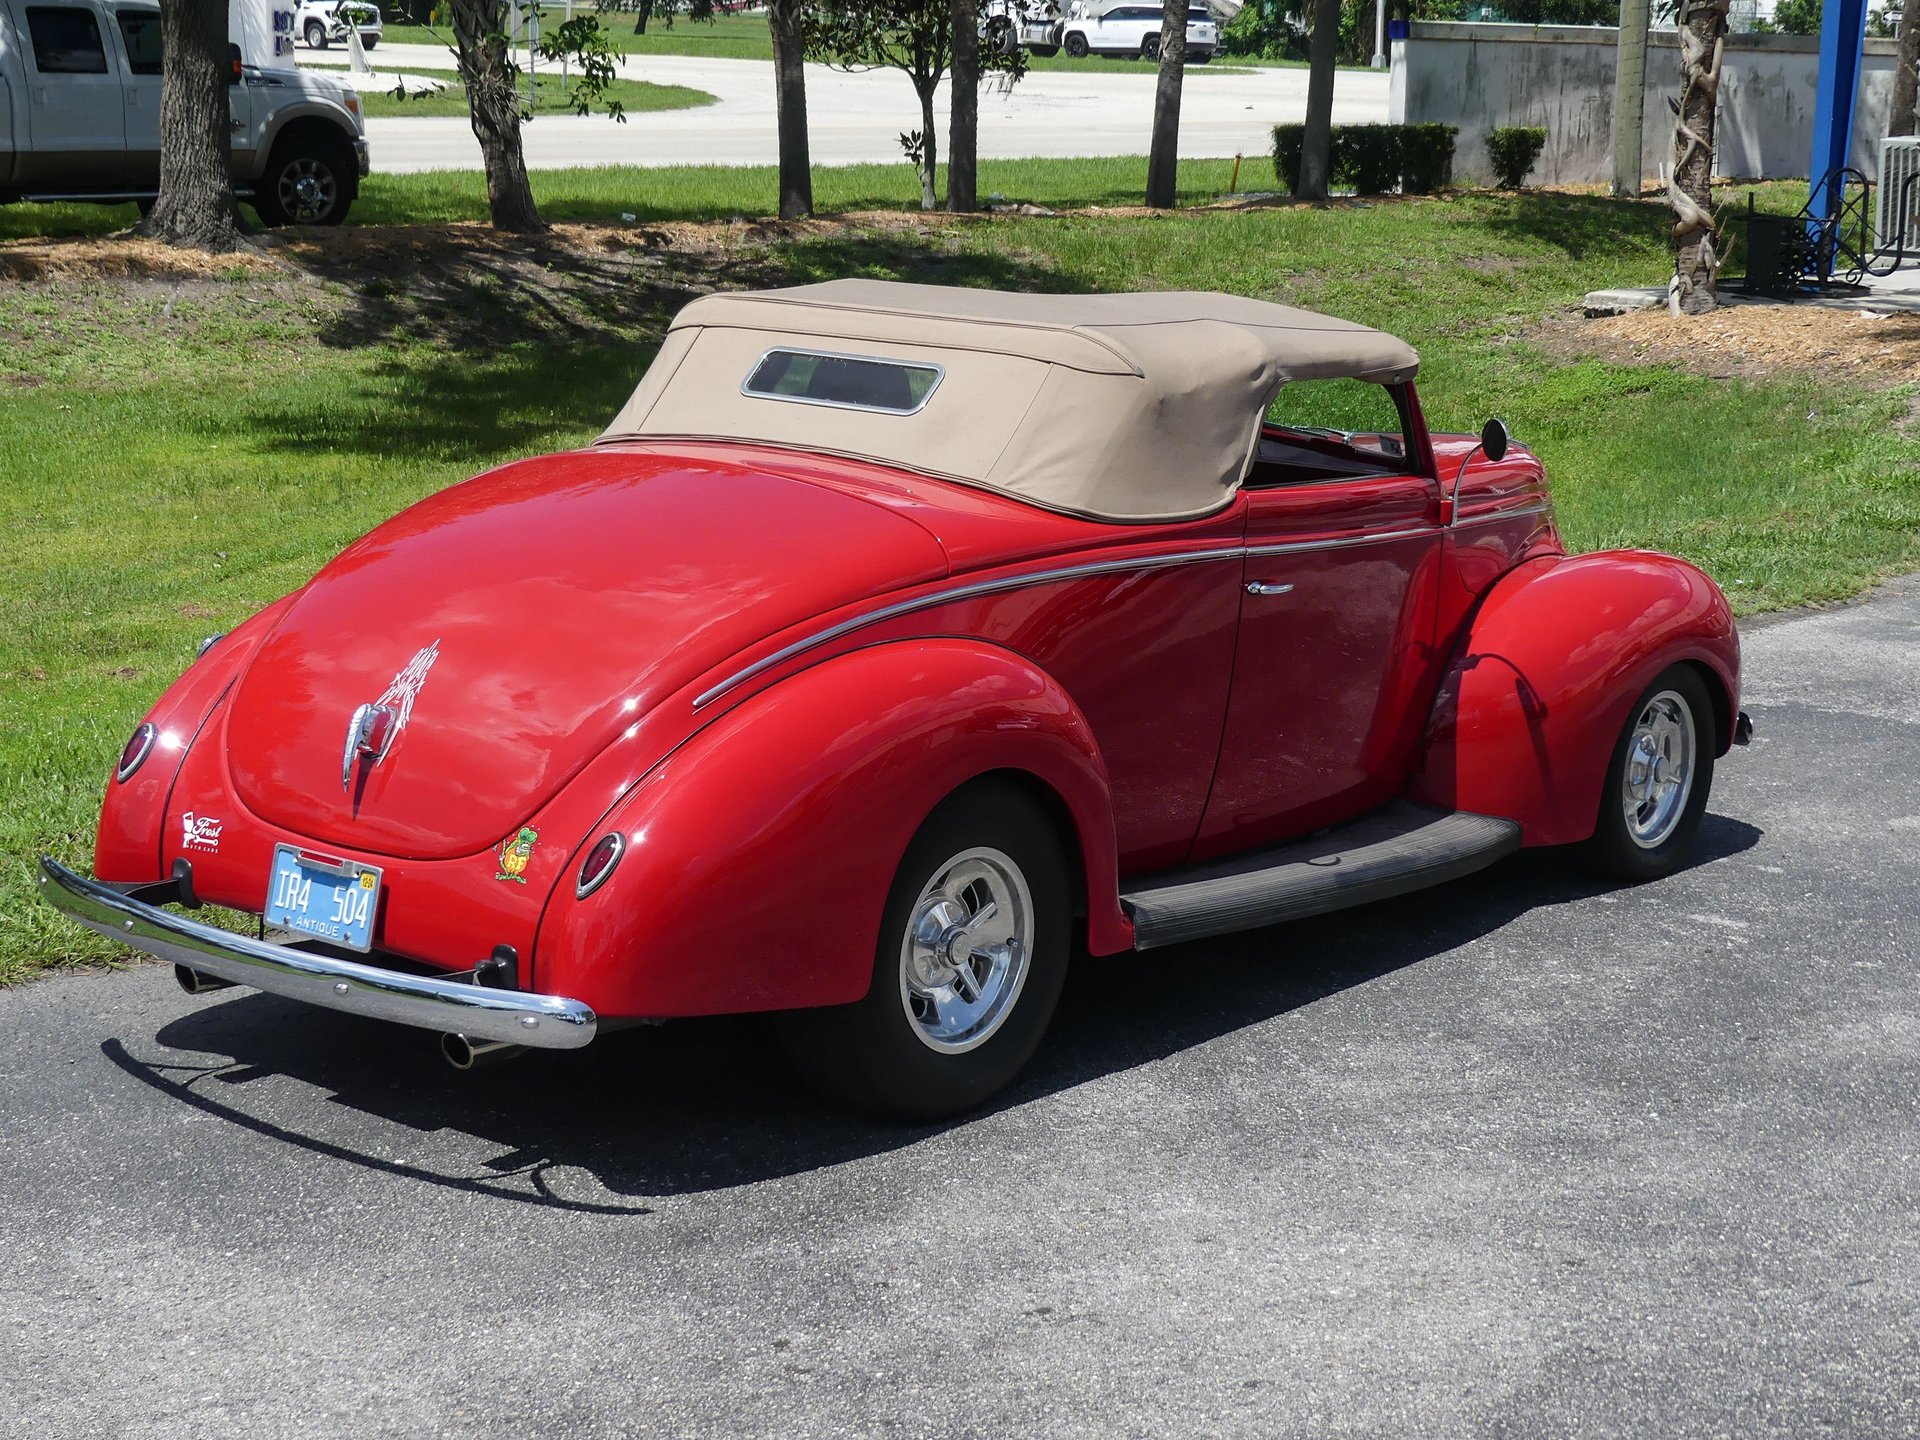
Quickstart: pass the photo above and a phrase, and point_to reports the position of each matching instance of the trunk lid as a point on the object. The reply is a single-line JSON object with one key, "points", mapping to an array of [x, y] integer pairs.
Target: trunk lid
{"points": [[515, 625]]}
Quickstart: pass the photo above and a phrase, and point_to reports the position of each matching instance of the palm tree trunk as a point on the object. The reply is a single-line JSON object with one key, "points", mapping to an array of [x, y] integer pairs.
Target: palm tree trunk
{"points": [[1906, 73], [963, 137], [1163, 159], [1316, 140], [930, 144], [1703, 30], [790, 108], [196, 206], [479, 28]]}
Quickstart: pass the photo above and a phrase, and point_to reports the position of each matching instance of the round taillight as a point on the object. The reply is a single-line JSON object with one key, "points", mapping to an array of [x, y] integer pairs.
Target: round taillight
{"points": [[598, 865], [139, 746]]}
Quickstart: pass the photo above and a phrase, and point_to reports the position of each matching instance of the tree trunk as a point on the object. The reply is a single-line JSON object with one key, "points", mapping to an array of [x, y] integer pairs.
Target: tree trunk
{"points": [[1316, 140], [929, 145], [1703, 30], [1906, 74], [1163, 155], [790, 108], [196, 207], [963, 129], [479, 28], [642, 13], [1630, 96]]}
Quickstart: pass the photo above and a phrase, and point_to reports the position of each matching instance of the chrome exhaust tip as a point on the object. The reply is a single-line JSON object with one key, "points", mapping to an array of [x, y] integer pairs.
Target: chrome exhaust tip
{"points": [[464, 1053], [198, 982]]}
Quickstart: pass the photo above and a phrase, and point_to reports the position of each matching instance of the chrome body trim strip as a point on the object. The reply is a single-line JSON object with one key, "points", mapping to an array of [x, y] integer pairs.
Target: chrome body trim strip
{"points": [[1494, 517], [1296, 547], [517, 1017]]}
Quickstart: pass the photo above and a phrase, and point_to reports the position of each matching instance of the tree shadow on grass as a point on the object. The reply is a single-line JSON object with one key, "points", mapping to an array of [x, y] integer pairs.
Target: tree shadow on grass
{"points": [[493, 343], [1583, 227], [705, 1105]]}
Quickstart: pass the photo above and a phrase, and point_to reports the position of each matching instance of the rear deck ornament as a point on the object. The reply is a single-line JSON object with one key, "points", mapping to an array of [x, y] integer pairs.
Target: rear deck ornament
{"points": [[373, 728]]}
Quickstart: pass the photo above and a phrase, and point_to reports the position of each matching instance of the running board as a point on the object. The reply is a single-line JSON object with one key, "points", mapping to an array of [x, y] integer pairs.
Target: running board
{"points": [[1391, 852]]}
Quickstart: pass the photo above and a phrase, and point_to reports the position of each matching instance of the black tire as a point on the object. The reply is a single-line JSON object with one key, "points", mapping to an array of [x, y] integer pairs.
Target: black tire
{"points": [[316, 35], [308, 181], [1076, 44], [1000, 39], [1150, 48], [1199, 57], [369, 44], [1044, 52], [873, 1054], [145, 206], [1644, 847]]}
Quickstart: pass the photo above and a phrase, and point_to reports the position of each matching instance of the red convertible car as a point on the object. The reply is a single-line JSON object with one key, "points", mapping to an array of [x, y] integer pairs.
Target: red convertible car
{"points": [[895, 643]]}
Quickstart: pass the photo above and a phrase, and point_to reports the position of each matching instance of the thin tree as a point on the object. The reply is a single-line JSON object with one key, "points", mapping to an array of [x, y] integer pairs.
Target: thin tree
{"points": [[1703, 33], [493, 109], [1906, 72], [963, 123], [1316, 139], [912, 36], [1163, 156], [195, 209], [786, 21]]}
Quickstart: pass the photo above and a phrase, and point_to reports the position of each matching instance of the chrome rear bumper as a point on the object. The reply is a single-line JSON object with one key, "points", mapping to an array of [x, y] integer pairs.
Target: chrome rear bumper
{"points": [[513, 1017]]}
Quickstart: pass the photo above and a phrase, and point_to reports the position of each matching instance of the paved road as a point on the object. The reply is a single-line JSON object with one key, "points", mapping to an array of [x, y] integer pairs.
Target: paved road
{"points": [[1522, 1158], [858, 118]]}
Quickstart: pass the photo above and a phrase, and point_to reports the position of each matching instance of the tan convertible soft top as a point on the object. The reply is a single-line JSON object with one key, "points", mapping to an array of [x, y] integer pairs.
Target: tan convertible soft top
{"points": [[1119, 407]]}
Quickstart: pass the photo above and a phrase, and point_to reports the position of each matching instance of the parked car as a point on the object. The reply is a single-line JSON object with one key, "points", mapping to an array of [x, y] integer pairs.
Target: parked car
{"points": [[1009, 25], [320, 23], [80, 116], [892, 644], [1095, 28]]}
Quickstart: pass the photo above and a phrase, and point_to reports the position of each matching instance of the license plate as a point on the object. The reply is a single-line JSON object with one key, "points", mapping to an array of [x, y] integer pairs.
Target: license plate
{"points": [[329, 899]]}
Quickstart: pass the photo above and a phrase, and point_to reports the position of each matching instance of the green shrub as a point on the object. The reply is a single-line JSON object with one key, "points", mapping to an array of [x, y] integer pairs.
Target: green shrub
{"points": [[1373, 158], [1511, 150], [1426, 158], [1286, 155], [1367, 157]]}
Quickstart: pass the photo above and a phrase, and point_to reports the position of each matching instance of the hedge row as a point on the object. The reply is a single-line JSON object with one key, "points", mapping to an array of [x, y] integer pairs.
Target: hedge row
{"points": [[1418, 159]]}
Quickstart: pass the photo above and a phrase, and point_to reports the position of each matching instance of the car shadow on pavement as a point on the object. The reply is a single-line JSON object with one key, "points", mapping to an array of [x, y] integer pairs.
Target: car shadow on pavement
{"points": [[703, 1105]]}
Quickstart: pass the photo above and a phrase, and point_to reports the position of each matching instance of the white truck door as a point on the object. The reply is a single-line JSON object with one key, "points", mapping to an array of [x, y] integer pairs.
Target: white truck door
{"points": [[138, 31], [75, 115]]}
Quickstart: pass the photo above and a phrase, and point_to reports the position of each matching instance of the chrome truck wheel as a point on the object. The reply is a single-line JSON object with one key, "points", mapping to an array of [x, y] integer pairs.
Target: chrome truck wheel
{"points": [[1655, 793], [971, 957]]}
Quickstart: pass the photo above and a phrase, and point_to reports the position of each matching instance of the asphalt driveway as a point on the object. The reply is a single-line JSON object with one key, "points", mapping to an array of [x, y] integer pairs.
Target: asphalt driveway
{"points": [[1525, 1157]]}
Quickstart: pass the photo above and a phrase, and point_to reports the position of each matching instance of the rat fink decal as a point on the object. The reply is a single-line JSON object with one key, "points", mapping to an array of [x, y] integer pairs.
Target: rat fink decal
{"points": [[515, 852]]}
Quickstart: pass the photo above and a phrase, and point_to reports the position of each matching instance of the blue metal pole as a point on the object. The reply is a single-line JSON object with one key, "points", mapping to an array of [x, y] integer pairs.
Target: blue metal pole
{"points": [[1843, 38]]}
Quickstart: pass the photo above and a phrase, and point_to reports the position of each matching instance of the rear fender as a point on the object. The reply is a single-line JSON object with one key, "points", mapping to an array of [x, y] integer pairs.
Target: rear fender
{"points": [[128, 844], [760, 852], [1525, 722]]}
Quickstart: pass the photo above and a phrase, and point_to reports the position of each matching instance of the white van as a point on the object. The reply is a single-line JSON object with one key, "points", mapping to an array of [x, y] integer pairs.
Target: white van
{"points": [[80, 116]]}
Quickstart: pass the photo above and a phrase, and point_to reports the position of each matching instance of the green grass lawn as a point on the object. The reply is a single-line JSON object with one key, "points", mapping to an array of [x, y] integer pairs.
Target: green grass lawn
{"points": [[177, 455], [552, 96]]}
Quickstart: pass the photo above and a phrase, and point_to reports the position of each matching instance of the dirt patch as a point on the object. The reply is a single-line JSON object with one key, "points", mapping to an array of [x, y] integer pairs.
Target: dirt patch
{"points": [[1750, 341], [123, 257]]}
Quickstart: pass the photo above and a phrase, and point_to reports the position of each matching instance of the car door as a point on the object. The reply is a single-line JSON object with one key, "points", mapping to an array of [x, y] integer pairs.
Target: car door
{"points": [[1335, 664], [75, 116], [137, 28]]}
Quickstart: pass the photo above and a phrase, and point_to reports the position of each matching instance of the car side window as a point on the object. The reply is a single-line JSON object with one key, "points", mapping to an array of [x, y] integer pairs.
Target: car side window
{"points": [[66, 40], [141, 30], [1331, 430]]}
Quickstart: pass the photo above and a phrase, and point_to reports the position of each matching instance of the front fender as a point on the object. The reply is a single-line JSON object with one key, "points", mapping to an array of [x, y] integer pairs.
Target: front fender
{"points": [[760, 852], [1525, 722]]}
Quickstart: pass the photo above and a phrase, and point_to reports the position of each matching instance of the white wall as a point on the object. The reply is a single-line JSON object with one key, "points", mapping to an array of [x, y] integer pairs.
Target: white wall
{"points": [[1479, 77]]}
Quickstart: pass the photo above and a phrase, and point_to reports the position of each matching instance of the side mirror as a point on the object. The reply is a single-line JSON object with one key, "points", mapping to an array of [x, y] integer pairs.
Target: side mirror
{"points": [[235, 66], [1494, 439]]}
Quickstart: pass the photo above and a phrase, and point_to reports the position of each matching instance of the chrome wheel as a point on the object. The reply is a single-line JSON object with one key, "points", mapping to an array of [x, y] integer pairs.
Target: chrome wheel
{"points": [[307, 190], [966, 952], [1657, 779]]}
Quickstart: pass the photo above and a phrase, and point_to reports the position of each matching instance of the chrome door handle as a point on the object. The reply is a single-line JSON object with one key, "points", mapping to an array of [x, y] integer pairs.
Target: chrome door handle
{"points": [[1267, 587]]}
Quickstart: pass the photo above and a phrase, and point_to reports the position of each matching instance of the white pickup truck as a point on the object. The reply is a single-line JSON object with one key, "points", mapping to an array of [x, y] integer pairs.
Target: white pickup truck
{"points": [[80, 116]]}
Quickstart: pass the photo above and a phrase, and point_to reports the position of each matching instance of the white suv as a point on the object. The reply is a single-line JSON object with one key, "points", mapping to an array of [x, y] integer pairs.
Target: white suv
{"points": [[1133, 29], [319, 22]]}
